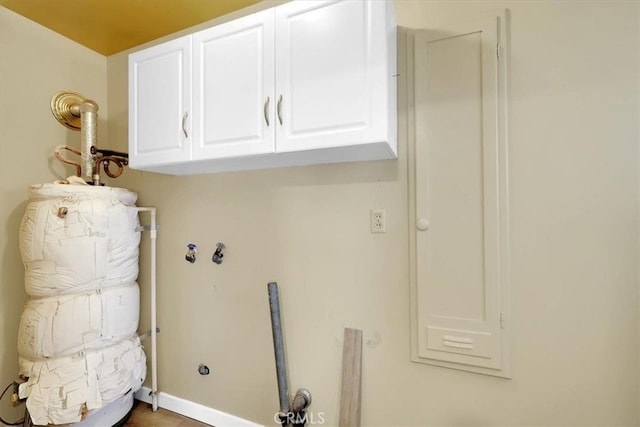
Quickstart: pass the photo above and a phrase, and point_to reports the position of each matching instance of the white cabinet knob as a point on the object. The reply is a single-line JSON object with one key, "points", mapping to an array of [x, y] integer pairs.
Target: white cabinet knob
{"points": [[422, 224]]}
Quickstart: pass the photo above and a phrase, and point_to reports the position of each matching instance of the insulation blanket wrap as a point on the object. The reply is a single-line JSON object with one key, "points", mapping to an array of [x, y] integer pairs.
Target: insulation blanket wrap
{"points": [[76, 238], [69, 324], [77, 338], [62, 390]]}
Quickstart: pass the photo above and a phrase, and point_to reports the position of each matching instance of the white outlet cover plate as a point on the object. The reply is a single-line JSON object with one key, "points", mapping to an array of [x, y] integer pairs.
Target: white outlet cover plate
{"points": [[378, 221]]}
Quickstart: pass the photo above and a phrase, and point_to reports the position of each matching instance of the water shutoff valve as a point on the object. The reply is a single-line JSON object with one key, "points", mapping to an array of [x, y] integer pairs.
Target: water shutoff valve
{"points": [[191, 253], [218, 255]]}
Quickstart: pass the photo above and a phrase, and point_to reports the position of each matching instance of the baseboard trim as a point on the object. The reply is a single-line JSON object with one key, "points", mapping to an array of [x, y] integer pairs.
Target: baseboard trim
{"points": [[194, 410]]}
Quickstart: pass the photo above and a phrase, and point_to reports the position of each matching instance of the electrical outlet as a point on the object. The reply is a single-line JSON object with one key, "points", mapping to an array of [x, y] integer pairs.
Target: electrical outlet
{"points": [[378, 221]]}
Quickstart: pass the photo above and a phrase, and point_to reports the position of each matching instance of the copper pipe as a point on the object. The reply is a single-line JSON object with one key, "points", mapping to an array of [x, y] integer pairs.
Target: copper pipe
{"points": [[68, 162], [78, 113]]}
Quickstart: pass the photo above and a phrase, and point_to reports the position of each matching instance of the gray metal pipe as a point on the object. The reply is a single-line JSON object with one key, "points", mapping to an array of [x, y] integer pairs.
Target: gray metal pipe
{"points": [[278, 346]]}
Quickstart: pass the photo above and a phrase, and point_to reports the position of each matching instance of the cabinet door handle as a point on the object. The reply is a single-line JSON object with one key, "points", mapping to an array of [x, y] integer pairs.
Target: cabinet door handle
{"points": [[279, 107], [184, 121], [266, 110]]}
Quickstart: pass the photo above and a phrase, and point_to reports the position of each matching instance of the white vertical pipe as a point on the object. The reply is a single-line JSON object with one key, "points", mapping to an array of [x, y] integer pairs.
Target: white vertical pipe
{"points": [[153, 233]]}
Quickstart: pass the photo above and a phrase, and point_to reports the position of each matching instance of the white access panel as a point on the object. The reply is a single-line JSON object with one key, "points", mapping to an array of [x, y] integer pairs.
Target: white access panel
{"points": [[233, 88], [160, 103], [461, 224], [332, 74]]}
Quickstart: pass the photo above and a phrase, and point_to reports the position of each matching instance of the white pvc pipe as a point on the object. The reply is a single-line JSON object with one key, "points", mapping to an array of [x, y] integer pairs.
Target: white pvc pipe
{"points": [[153, 233]]}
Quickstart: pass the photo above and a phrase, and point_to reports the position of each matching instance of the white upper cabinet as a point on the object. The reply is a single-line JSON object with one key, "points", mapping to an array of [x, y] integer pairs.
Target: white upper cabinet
{"points": [[233, 88], [160, 104], [333, 74], [306, 82]]}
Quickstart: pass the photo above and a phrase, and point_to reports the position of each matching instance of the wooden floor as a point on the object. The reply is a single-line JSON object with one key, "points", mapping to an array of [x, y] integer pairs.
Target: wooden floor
{"points": [[143, 416]]}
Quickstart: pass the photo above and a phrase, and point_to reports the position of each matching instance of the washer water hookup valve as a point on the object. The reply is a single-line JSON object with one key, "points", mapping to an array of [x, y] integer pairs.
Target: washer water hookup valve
{"points": [[191, 253], [218, 255]]}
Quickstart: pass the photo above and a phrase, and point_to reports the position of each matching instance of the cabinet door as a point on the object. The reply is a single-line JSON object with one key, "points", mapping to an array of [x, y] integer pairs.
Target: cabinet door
{"points": [[461, 234], [331, 74], [233, 88], [160, 103]]}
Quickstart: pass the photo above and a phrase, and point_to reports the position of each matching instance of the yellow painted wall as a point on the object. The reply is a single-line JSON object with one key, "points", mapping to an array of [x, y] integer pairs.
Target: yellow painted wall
{"points": [[35, 63], [574, 203]]}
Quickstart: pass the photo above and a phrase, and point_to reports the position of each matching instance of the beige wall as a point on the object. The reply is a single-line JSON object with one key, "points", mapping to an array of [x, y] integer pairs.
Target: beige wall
{"points": [[35, 63], [574, 204]]}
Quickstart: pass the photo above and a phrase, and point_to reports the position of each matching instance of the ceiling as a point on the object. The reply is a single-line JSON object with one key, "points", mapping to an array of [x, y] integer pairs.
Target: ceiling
{"points": [[111, 26]]}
